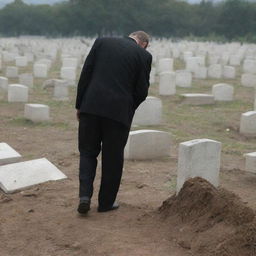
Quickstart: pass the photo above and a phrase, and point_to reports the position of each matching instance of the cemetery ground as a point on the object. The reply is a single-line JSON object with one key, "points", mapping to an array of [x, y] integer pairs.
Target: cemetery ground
{"points": [[42, 220]]}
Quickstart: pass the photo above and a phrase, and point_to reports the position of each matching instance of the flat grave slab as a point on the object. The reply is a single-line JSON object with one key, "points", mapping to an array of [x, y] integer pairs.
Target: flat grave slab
{"points": [[197, 98], [22, 175], [8, 154]]}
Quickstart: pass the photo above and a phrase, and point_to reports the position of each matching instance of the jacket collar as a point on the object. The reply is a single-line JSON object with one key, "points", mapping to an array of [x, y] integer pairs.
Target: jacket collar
{"points": [[131, 39]]}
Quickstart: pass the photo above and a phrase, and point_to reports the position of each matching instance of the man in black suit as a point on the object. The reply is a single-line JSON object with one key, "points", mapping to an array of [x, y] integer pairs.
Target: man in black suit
{"points": [[113, 83]]}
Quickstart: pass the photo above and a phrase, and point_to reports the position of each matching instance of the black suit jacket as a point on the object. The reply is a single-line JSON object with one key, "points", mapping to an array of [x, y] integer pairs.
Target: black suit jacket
{"points": [[114, 80]]}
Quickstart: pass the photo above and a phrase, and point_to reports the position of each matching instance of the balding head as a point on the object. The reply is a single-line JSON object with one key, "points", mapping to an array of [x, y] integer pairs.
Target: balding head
{"points": [[141, 37]]}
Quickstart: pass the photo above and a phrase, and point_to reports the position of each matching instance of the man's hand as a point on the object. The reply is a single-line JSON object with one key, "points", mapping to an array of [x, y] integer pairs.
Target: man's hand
{"points": [[78, 115]]}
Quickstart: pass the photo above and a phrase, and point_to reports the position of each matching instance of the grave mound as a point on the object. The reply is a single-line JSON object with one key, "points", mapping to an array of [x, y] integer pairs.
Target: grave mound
{"points": [[210, 221]]}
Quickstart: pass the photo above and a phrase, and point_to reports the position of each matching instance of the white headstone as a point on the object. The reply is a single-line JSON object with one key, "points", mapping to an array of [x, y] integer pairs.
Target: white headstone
{"points": [[197, 98], [183, 78], [152, 75], [201, 73], [250, 162], [165, 65], [147, 144], [37, 112], [248, 80], [249, 66], [68, 73], [248, 124], [149, 112], [8, 154], [215, 71], [22, 175], [4, 83], [229, 72], [61, 90], [223, 92], [199, 158], [234, 60], [26, 79], [40, 70], [192, 64], [11, 72], [17, 93], [167, 83], [70, 62], [21, 61]]}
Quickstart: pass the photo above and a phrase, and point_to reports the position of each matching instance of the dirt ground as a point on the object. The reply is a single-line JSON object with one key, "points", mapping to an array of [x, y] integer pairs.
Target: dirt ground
{"points": [[42, 221]]}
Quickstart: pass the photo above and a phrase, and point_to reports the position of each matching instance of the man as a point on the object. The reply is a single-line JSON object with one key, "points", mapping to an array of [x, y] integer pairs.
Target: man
{"points": [[113, 83]]}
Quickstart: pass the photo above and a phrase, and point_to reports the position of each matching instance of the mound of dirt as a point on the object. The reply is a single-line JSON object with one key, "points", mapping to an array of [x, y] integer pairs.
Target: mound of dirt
{"points": [[210, 221]]}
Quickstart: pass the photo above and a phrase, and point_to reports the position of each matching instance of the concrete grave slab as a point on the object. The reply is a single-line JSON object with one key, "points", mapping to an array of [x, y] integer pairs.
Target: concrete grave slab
{"points": [[22, 175], [8, 154], [197, 98]]}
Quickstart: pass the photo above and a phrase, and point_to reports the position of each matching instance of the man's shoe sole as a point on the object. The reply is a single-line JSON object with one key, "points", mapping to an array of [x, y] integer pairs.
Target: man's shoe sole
{"points": [[83, 208]]}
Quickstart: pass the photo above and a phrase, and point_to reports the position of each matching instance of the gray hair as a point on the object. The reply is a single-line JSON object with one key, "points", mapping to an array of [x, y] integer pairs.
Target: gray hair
{"points": [[141, 36]]}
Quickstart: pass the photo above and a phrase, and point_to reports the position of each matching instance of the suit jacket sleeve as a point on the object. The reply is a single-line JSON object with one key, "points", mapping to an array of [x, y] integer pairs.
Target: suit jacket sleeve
{"points": [[86, 74], [142, 83]]}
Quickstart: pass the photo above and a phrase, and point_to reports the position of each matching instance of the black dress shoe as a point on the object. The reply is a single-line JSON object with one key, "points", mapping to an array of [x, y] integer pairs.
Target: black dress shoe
{"points": [[84, 206], [115, 206]]}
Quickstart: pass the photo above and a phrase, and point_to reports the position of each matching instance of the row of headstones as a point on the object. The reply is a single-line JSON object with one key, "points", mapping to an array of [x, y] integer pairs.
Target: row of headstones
{"points": [[34, 112], [183, 78], [193, 63], [196, 158], [19, 92], [41, 71], [150, 111]]}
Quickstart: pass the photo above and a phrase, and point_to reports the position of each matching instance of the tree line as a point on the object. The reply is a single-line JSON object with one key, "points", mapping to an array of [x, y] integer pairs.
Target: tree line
{"points": [[227, 20]]}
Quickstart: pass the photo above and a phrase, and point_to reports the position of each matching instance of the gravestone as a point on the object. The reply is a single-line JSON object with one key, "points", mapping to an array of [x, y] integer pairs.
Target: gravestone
{"points": [[197, 98], [4, 83], [201, 73], [21, 61], [229, 72], [11, 72], [60, 89], [183, 78], [147, 144], [250, 162], [19, 176], [248, 80], [215, 71], [167, 83], [68, 74], [40, 70], [17, 93], [248, 124], [199, 158], [37, 112], [234, 60], [192, 64], [26, 79], [8, 154], [69, 62], [223, 92], [249, 66], [165, 65], [152, 75], [149, 112]]}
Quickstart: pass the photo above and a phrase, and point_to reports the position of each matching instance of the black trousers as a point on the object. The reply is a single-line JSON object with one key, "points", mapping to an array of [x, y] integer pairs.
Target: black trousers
{"points": [[95, 134]]}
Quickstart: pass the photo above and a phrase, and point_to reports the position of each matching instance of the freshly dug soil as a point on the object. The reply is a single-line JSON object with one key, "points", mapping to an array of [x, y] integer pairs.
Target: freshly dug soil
{"points": [[210, 221]]}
